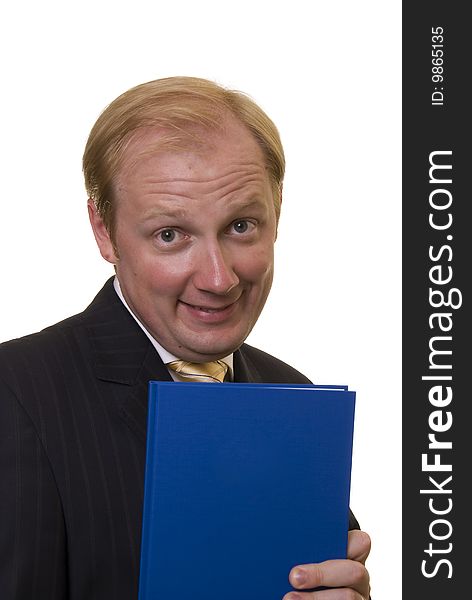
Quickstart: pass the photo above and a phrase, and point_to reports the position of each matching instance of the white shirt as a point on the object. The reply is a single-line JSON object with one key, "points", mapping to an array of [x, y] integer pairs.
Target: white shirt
{"points": [[165, 355]]}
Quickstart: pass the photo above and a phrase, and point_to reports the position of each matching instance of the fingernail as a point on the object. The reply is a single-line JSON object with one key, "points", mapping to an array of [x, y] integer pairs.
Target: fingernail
{"points": [[293, 596], [299, 578]]}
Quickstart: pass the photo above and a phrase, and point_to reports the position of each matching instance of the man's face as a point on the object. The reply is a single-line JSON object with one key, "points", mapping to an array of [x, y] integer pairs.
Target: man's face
{"points": [[194, 237]]}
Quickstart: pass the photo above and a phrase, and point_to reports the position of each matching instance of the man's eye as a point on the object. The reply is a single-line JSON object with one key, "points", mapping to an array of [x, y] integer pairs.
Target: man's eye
{"points": [[241, 226], [169, 238], [167, 235]]}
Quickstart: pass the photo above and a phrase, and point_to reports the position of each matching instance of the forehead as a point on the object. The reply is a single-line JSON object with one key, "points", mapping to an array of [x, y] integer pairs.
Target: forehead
{"points": [[230, 143]]}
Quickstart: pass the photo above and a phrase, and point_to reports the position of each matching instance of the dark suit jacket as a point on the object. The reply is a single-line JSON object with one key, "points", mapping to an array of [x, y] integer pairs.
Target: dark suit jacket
{"points": [[73, 403]]}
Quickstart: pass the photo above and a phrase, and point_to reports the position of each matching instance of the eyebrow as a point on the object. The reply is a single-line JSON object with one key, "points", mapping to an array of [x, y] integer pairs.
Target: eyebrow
{"points": [[254, 201], [166, 212], [170, 212]]}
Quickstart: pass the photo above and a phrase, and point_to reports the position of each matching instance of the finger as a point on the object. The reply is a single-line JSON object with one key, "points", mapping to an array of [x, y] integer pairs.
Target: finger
{"points": [[332, 594], [358, 545], [341, 573]]}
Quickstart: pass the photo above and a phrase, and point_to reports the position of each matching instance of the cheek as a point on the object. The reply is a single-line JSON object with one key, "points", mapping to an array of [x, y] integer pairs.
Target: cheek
{"points": [[258, 266], [165, 276]]}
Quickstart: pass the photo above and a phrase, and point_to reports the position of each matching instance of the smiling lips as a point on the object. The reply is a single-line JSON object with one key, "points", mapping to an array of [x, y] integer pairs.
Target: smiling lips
{"points": [[208, 313], [209, 310]]}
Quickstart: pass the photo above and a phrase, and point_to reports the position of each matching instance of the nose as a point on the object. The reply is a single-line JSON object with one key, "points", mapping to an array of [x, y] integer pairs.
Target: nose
{"points": [[214, 271]]}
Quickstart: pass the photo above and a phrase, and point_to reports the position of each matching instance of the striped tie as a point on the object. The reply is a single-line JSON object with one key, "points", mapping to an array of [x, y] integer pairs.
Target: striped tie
{"points": [[212, 372]]}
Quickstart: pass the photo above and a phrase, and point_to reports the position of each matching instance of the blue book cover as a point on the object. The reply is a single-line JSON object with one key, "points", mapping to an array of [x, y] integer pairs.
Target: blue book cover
{"points": [[242, 482]]}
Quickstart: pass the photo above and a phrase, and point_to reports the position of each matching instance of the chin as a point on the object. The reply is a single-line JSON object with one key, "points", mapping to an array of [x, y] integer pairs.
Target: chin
{"points": [[205, 352]]}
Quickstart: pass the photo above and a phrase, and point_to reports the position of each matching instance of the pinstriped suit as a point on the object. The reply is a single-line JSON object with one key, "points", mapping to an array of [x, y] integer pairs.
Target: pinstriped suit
{"points": [[72, 439]]}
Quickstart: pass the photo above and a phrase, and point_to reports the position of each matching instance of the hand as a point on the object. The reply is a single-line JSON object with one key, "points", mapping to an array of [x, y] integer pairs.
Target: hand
{"points": [[348, 576]]}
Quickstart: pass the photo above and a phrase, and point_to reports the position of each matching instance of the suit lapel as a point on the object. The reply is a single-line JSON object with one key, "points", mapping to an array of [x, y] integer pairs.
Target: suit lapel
{"points": [[122, 354], [133, 409], [245, 371]]}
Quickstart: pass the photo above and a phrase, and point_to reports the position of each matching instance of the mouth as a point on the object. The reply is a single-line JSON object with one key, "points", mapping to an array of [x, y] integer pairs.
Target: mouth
{"points": [[209, 313], [208, 309]]}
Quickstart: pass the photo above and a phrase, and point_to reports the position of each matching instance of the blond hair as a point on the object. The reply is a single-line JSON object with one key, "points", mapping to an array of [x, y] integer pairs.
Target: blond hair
{"points": [[178, 105]]}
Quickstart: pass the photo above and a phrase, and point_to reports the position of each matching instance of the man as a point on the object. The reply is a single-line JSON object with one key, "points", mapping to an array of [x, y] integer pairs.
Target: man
{"points": [[184, 181]]}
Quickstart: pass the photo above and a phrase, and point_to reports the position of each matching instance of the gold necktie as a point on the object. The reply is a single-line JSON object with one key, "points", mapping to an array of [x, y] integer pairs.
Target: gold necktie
{"points": [[212, 372]]}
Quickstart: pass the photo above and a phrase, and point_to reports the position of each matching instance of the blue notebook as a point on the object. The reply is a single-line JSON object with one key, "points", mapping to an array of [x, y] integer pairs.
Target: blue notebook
{"points": [[242, 482]]}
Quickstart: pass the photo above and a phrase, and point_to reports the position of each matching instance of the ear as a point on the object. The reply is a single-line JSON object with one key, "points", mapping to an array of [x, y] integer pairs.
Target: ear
{"points": [[102, 237]]}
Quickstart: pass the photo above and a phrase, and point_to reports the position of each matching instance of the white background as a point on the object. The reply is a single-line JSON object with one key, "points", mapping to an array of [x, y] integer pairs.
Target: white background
{"points": [[329, 76]]}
